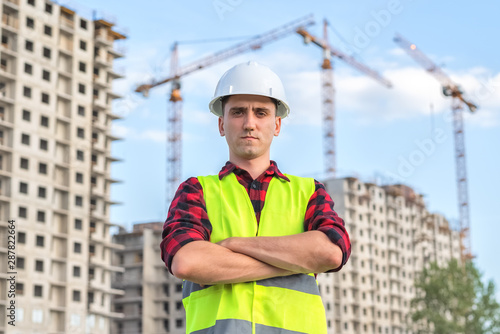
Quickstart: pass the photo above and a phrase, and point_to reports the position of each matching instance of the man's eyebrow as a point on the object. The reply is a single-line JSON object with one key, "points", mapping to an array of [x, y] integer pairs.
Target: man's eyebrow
{"points": [[238, 108]]}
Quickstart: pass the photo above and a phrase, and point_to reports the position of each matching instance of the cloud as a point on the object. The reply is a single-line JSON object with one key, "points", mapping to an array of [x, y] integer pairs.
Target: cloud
{"points": [[485, 118], [130, 133], [304, 97], [153, 135], [414, 91], [132, 101], [141, 66], [399, 52], [156, 136], [202, 117], [357, 95], [120, 130]]}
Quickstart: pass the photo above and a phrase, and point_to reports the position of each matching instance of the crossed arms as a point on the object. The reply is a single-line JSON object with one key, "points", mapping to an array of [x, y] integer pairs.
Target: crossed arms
{"points": [[188, 253], [238, 259]]}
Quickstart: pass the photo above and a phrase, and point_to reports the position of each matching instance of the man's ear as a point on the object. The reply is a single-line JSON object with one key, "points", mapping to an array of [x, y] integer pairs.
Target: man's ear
{"points": [[277, 126], [221, 126]]}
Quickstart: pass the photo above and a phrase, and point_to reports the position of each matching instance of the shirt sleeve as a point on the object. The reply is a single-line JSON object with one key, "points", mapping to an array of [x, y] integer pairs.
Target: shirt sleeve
{"points": [[320, 216], [187, 220]]}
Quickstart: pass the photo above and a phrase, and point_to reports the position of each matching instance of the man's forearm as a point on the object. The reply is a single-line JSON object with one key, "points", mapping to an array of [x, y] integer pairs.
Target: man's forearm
{"points": [[207, 263], [304, 253]]}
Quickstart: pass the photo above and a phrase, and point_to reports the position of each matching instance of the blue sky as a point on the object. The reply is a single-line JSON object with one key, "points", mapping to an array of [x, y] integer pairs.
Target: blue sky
{"points": [[378, 130]]}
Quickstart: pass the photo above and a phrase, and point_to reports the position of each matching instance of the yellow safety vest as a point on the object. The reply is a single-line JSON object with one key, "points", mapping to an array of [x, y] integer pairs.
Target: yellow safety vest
{"points": [[280, 305]]}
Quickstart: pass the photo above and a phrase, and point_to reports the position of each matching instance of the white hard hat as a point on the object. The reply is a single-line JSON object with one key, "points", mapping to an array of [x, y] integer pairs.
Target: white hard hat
{"points": [[253, 79]]}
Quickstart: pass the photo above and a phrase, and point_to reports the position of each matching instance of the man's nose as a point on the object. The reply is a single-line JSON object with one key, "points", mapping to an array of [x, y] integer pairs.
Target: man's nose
{"points": [[249, 123]]}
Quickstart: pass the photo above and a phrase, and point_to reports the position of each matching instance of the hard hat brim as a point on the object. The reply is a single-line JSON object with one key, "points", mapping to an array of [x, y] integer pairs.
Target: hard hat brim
{"points": [[282, 109]]}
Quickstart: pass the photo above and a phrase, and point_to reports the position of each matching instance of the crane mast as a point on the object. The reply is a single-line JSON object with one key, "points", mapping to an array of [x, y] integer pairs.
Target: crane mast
{"points": [[458, 101], [328, 91], [174, 129], [174, 109], [328, 108]]}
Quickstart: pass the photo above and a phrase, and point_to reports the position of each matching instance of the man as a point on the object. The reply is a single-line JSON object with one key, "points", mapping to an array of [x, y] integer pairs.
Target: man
{"points": [[248, 240]]}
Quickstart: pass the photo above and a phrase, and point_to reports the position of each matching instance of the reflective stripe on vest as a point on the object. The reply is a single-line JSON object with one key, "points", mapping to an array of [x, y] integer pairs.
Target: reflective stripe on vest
{"points": [[299, 282], [242, 327], [286, 305]]}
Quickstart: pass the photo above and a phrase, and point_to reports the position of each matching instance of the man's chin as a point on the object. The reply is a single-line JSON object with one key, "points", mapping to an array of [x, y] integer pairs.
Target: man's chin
{"points": [[250, 155]]}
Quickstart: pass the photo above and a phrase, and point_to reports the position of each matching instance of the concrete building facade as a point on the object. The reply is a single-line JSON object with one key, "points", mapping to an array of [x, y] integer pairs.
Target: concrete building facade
{"points": [[55, 159], [393, 236], [152, 302]]}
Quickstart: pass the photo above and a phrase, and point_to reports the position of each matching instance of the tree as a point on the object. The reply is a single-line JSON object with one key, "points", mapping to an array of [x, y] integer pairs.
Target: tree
{"points": [[452, 299]]}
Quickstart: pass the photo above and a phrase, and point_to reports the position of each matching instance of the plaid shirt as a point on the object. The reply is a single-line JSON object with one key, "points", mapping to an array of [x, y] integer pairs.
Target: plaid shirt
{"points": [[188, 221]]}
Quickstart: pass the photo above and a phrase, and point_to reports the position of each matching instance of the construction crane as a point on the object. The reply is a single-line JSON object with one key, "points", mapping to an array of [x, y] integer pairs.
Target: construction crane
{"points": [[174, 110], [458, 101], [328, 91]]}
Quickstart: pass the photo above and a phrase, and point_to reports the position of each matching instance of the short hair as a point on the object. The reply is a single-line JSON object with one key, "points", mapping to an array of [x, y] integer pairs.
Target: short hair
{"points": [[223, 101]]}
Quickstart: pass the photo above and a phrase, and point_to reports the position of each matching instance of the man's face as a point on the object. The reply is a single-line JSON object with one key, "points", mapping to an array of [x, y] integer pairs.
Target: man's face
{"points": [[249, 124]]}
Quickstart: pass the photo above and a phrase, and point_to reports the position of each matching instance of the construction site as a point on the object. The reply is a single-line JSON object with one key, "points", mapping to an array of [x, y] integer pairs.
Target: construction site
{"points": [[91, 147]]}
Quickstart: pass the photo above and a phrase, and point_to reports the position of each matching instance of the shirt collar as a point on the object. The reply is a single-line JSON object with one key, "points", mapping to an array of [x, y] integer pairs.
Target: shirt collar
{"points": [[273, 170]]}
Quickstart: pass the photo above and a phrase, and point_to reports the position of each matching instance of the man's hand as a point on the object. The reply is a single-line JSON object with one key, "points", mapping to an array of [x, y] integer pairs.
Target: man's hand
{"points": [[308, 252]]}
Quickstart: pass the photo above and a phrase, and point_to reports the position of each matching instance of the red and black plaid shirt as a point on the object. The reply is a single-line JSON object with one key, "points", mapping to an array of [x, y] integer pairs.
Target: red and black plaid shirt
{"points": [[188, 221]]}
